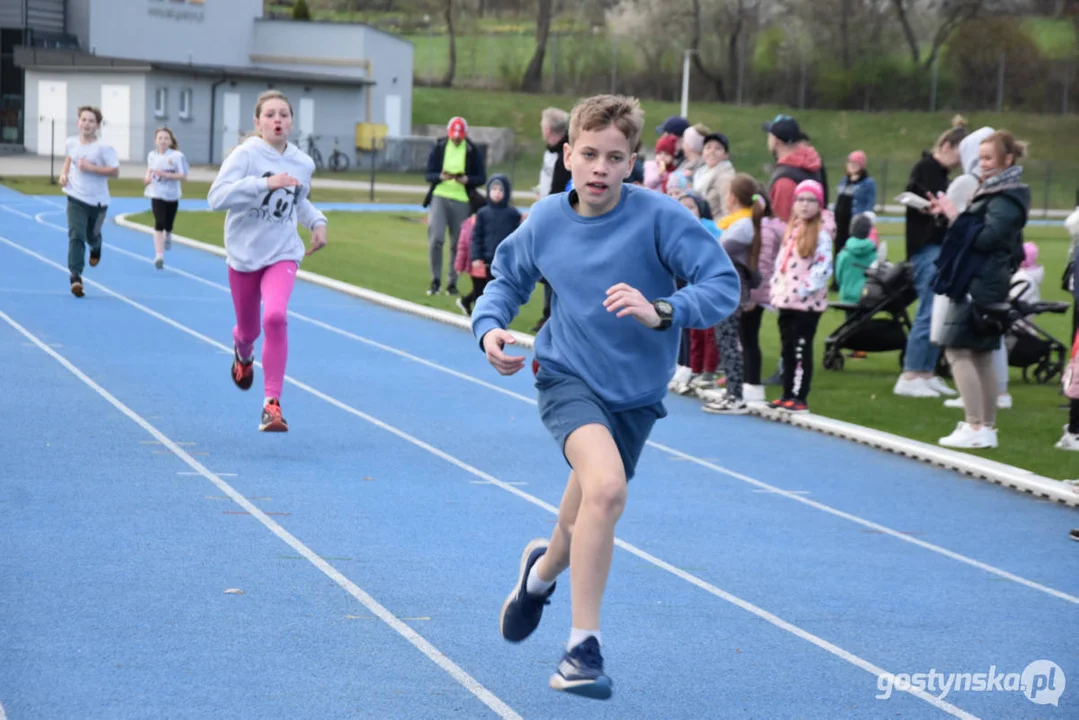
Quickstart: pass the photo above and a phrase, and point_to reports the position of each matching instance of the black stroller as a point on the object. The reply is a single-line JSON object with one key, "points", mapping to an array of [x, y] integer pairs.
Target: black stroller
{"points": [[1030, 347], [878, 322]]}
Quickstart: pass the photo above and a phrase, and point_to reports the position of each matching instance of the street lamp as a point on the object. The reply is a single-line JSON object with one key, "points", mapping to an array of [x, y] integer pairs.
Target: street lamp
{"points": [[685, 81]]}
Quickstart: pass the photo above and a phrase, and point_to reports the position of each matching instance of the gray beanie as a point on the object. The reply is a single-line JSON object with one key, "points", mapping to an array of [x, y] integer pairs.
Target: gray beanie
{"points": [[861, 226]]}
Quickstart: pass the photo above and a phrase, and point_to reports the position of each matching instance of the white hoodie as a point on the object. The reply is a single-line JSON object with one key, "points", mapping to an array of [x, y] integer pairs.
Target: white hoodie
{"points": [[962, 189], [260, 227]]}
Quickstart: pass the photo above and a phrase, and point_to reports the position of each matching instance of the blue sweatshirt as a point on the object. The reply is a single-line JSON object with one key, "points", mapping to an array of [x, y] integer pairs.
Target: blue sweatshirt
{"points": [[645, 242]]}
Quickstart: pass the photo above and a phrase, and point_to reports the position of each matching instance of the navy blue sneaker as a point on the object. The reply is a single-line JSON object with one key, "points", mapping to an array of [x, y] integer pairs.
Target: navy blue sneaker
{"points": [[522, 611], [581, 672]]}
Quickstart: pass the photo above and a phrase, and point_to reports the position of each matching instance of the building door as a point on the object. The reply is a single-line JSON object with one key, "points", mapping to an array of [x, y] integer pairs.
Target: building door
{"points": [[116, 120], [393, 115], [51, 106], [230, 125], [307, 121]]}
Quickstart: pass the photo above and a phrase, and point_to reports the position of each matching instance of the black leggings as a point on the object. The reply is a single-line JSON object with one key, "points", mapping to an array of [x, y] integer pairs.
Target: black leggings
{"points": [[164, 213], [1073, 418], [751, 344], [797, 328]]}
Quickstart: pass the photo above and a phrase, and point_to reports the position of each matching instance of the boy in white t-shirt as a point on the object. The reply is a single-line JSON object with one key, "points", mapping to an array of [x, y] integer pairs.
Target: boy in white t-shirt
{"points": [[88, 165]]}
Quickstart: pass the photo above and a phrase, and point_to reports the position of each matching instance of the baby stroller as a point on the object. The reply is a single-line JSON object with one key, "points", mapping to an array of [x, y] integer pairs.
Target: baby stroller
{"points": [[889, 290], [1030, 347]]}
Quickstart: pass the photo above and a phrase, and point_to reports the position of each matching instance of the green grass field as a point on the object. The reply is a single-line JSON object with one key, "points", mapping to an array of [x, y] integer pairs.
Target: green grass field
{"points": [[388, 253]]}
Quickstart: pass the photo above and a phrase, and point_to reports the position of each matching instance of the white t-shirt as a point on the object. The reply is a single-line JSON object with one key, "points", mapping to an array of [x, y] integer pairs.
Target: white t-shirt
{"points": [[90, 188], [173, 161]]}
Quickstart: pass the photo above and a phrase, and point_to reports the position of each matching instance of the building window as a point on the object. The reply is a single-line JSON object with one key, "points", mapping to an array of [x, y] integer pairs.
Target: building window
{"points": [[161, 102], [185, 104]]}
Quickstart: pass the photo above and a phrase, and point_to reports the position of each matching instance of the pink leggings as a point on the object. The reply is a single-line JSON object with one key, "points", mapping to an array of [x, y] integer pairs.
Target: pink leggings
{"points": [[273, 286]]}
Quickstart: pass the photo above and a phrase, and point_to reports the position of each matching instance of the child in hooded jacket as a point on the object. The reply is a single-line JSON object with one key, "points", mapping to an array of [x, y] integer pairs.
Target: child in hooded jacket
{"points": [[494, 223]]}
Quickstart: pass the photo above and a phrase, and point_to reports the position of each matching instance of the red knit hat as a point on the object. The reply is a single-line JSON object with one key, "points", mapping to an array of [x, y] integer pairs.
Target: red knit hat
{"points": [[667, 144], [457, 128]]}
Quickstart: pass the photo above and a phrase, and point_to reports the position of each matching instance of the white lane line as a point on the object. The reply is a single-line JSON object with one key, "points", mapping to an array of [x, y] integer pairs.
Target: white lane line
{"points": [[434, 654], [674, 453], [472, 470]]}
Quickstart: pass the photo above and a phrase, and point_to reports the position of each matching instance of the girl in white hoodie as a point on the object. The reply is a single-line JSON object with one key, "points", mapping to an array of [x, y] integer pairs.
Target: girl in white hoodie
{"points": [[264, 184]]}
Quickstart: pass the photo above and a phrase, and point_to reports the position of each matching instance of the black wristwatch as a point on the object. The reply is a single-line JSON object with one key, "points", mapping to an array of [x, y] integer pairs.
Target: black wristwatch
{"points": [[665, 312]]}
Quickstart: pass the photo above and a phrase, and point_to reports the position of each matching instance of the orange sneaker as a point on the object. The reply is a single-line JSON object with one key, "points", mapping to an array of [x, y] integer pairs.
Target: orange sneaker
{"points": [[272, 421]]}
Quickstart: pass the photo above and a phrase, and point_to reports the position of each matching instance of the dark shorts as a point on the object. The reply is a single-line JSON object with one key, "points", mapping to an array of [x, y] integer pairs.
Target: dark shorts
{"points": [[567, 403], [164, 213]]}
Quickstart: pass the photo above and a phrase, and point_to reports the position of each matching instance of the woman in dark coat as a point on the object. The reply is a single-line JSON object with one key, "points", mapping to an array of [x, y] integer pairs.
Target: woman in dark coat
{"points": [[985, 249]]}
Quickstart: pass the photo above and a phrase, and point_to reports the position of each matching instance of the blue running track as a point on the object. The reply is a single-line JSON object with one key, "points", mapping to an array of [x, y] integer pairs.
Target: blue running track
{"points": [[161, 558]]}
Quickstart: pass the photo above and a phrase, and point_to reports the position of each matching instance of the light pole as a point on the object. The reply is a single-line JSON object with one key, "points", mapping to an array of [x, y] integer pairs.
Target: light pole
{"points": [[685, 81]]}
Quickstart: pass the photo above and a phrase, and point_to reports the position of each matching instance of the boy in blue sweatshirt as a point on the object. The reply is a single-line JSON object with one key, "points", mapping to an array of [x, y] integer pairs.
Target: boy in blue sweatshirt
{"points": [[611, 253]]}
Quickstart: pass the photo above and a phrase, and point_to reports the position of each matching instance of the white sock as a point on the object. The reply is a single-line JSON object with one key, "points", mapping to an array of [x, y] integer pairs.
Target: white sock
{"points": [[267, 400], [534, 585], [576, 637]]}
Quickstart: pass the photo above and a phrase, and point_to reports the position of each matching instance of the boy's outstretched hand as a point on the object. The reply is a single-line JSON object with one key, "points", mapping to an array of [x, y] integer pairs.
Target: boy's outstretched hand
{"points": [[493, 343], [629, 301]]}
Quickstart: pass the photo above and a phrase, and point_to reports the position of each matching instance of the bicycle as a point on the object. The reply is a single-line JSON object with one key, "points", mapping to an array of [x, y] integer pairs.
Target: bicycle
{"points": [[313, 152], [338, 160]]}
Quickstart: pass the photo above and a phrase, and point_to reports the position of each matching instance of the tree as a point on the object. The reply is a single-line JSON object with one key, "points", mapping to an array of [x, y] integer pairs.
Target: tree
{"points": [[533, 76], [300, 11], [451, 70]]}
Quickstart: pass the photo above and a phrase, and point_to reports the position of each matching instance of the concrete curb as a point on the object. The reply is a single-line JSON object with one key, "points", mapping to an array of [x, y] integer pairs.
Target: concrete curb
{"points": [[970, 465]]}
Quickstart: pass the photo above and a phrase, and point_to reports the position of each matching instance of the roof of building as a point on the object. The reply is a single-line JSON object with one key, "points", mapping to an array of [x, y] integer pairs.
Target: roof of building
{"points": [[77, 61]]}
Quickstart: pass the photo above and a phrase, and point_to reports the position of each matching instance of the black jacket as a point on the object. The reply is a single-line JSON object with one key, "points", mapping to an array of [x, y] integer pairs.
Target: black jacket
{"points": [[995, 252], [475, 168], [927, 176], [560, 175], [494, 223]]}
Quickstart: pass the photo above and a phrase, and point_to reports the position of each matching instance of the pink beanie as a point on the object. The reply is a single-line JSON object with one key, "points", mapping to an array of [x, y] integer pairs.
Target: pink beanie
{"points": [[857, 157], [693, 140], [1030, 253], [811, 186]]}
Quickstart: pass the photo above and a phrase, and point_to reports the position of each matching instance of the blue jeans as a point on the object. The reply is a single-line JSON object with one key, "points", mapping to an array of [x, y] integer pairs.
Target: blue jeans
{"points": [[922, 355]]}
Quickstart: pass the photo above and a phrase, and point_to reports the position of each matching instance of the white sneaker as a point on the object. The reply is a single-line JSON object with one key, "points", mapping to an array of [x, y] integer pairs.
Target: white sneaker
{"points": [[681, 376], [1070, 441], [954, 403], [915, 387], [159, 262], [967, 438], [937, 383], [712, 395], [753, 393], [727, 406]]}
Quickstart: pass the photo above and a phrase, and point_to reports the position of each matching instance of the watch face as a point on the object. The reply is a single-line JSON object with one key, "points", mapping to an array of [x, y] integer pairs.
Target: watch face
{"points": [[664, 307]]}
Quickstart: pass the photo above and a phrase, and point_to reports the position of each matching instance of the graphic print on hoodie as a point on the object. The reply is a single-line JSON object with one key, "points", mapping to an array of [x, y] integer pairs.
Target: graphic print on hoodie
{"points": [[260, 226]]}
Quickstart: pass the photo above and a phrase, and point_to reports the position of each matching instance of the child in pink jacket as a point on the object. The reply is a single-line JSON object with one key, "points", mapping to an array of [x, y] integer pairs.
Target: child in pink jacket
{"points": [[800, 290]]}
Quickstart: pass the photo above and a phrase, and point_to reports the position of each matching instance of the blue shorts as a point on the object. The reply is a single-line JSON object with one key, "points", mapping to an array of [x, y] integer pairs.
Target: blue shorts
{"points": [[567, 403]]}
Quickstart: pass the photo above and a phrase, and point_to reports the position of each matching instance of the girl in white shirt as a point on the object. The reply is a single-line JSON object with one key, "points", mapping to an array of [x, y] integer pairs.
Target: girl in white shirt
{"points": [[264, 184], [166, 167]]}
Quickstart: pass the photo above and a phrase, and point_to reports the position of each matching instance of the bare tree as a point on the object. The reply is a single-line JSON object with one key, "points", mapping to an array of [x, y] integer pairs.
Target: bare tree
{"points": [[533, 76], [451, 70]]}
